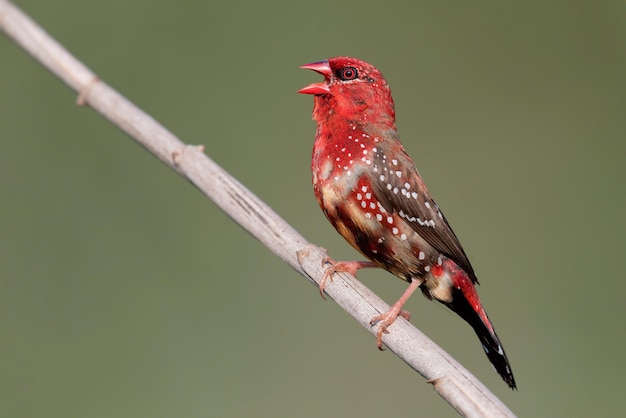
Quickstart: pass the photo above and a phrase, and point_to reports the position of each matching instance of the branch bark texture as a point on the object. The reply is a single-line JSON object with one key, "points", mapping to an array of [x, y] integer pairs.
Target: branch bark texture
{"points": [[451, 380]]}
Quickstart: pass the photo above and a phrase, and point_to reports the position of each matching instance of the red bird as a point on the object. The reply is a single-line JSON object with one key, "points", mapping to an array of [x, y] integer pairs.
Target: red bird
{"points": [[371, 192]]}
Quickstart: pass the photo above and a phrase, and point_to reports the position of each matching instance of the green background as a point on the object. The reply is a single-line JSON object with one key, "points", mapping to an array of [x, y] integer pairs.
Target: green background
{"points": [[125, 293]]}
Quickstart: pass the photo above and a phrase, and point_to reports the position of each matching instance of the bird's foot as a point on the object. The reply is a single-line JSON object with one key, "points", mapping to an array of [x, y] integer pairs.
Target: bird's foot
{"points": [[394, 312], [386, 320], [350, 267]]}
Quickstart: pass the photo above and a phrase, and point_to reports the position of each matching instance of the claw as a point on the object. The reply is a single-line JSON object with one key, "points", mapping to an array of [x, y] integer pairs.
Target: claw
{"points": [[350, 267], [393, 313], [387, 319]]}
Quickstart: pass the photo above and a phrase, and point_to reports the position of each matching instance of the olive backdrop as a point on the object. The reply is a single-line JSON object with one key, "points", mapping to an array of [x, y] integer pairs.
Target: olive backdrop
{"points": [[125, 293]]}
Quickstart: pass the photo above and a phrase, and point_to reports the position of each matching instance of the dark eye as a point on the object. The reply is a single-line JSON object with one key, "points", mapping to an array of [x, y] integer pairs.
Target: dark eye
{"points": [[348, 73]]}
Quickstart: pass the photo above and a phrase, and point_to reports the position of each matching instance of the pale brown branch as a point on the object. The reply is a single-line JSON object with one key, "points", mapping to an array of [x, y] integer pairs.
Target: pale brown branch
{"points": [[451, 380]]}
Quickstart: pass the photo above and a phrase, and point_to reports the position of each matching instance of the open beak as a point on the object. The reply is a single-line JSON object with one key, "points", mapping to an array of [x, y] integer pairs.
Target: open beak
{"points": [[323, 68]]}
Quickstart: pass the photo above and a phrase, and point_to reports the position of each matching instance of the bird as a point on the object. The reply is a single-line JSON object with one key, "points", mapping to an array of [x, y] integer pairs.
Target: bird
{"points": [[373, 195]]}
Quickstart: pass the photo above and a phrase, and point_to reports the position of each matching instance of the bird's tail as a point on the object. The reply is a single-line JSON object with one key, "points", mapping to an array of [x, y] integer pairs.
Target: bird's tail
{"points": [[463, 300], [477, 317]]}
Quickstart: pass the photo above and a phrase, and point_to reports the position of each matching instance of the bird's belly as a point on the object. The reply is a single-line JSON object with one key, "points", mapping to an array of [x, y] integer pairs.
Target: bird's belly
{"points": [[379, 234]]}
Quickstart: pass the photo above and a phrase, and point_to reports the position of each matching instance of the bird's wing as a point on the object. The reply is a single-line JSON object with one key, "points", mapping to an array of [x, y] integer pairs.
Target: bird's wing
{"points": [[399, 188]]}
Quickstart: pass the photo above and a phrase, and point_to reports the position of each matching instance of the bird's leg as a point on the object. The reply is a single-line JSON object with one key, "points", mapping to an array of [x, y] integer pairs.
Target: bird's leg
{"points": [[390, 316], [350, 267]]}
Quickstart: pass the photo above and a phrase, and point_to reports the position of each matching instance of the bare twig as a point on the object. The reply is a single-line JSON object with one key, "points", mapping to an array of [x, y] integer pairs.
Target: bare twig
{"points": [[453, 382]]}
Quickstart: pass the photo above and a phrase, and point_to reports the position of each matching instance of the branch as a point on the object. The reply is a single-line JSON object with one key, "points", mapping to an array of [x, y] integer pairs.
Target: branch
{"points": [[451, 380]]}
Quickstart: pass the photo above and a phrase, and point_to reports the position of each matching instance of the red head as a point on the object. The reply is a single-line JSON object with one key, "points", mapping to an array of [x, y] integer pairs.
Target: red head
{"points": [[352, 89]]}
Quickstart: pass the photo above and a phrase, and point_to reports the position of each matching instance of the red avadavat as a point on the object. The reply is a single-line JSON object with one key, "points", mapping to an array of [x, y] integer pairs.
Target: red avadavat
{"points": [[371, 192]]}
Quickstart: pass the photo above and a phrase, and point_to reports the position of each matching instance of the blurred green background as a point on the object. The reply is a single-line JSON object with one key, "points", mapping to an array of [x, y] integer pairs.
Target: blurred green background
{"points": [[125, 293]]}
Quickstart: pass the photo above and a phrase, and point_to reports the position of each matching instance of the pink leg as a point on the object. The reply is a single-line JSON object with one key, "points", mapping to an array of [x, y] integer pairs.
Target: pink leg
{"points": [[390, 316], [342, 266]]}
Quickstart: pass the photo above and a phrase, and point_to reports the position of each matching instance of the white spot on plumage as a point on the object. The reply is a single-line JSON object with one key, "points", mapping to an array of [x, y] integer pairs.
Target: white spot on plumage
{"points": [[427, 269], [374, 150], [414, 195], [407, 186], [326, 171], [364, 204], [389, 219], [421, 255], [439, 260], [403, 237], [382, 177], [389, 186], [427, 205], [395, 190], [379, 217], [364, 189], [430, 223], [394, 162], [372, 205], [359, 196], [368, 215], [398, 173], [395, 230], [368, 195]]}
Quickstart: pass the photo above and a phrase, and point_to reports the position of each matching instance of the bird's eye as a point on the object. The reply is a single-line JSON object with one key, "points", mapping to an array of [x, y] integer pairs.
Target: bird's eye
{"points": [[348, 73]]}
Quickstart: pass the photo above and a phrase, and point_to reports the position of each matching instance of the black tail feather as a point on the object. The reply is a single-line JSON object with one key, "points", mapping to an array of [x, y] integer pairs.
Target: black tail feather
{"points": [[487, 335]]}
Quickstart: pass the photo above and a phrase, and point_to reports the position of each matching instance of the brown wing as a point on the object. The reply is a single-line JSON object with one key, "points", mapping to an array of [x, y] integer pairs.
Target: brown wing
{"points": [[399, 188]]}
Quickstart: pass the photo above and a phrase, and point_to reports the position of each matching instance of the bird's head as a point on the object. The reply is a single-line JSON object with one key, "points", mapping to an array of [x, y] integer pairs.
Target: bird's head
{"points": [[352, 89]]}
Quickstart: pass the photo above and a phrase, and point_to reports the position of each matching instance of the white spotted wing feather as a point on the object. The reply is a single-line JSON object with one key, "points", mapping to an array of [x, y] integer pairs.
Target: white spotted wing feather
{"points": [[399, 188]]}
